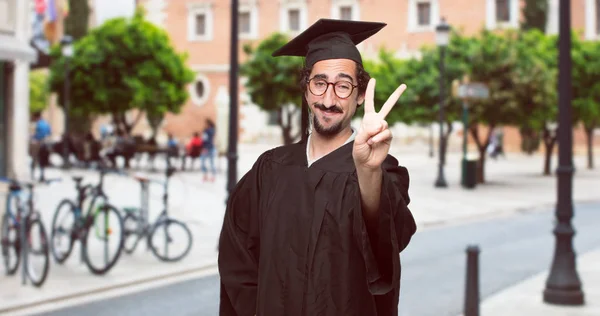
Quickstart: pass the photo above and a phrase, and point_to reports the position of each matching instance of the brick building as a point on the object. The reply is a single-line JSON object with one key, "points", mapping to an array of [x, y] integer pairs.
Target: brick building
{"points": [[202, 28]]}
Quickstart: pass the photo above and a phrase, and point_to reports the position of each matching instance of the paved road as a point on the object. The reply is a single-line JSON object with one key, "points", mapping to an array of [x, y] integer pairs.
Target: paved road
{"points": [[513, 248]]}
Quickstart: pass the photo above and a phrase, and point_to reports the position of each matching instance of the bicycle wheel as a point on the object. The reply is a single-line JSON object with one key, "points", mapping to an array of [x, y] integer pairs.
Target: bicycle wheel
{"points": [[62, 231], [103, 240], [37, 252], [162, 240], [131, 233], [10, 245]]}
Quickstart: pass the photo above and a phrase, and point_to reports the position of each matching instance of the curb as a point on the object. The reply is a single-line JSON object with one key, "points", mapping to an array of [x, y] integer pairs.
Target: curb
{"points": [[544, 207], [107, 288]]}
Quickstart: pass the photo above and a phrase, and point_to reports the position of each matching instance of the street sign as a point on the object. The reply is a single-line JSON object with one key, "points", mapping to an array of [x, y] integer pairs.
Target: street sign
{"points": [[473, 90]]}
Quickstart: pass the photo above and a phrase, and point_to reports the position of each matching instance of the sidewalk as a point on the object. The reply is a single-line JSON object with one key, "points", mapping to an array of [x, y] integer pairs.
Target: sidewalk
{"points": [[526, 298], [514, 185]]}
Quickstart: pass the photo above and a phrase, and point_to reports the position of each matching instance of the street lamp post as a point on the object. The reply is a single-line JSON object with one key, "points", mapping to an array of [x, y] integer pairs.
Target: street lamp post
{"points": [[563, 285], [232, 155], [67, 51], [442, 38]]}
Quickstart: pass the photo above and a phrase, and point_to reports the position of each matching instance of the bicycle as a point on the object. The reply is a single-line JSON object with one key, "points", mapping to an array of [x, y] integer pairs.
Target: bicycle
{"points": [[137, 225], [20, 242], [101, 222]]}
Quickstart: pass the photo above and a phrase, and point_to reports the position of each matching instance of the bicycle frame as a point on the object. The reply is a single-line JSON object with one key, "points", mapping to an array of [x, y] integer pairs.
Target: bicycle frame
{"points": [[21, 219]]}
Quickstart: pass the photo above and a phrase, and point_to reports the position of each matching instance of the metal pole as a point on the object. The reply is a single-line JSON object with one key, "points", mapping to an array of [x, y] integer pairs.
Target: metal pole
{"points": [[563, 285], [441, 181], [67, 96], [233, 101], [472, 282], [465, 119]]}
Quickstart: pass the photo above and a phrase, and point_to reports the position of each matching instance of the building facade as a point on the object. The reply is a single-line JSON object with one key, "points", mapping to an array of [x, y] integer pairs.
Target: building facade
{"points": [[16, 56], [202, 28]]}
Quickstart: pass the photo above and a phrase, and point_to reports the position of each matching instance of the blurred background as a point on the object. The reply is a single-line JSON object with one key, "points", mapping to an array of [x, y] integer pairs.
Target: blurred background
{"points": [[498, 128]]}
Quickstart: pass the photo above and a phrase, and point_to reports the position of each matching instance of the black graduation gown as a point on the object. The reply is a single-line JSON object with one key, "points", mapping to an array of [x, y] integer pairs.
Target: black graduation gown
{"points": [[294, 242]]}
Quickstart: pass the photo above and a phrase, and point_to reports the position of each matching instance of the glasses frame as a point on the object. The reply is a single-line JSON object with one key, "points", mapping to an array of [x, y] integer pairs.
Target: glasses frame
{"points": [[328, 84]]}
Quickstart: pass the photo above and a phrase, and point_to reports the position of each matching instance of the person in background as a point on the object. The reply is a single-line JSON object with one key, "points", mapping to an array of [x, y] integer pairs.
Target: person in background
{"points": [[193, 149], [172, 149], [208, 152], [39, 146]]}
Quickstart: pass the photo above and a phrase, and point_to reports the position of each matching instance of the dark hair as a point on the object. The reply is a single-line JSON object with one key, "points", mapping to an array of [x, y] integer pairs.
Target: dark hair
{"points": [[362, 78], [210, 123]]}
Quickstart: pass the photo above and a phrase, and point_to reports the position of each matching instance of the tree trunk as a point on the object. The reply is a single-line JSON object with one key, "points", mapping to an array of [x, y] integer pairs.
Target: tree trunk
{"points": [[549, 142], [445, 144], [286, 127], [481, 146], [589, 133]]}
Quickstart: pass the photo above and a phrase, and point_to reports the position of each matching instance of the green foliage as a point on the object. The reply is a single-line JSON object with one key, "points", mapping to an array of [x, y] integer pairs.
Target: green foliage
{"points": [[122, 65], [76, 23], [38, 91], [535, 14], [272, 82], [492, 59], [535, 80], [586, 82]]}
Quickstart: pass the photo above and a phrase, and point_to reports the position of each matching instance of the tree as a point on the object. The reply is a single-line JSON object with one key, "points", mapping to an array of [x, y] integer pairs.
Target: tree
{"points": [[126, 63], [534, 18], [38, 91], [420, 102], [274, 83], [586, 89], [77, 22], [535, 15], [491, 59], [535, 82]]}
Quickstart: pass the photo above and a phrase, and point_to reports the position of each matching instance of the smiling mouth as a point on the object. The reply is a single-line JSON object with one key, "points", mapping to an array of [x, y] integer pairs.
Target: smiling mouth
{"points": [[329, 112]]}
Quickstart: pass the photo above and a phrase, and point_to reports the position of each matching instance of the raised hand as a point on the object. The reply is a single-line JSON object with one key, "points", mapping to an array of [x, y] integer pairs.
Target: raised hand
{"points": [[373, 139]]}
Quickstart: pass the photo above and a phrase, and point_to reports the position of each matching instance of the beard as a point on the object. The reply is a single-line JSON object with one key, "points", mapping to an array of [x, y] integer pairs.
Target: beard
{"points": [[332, 130]]}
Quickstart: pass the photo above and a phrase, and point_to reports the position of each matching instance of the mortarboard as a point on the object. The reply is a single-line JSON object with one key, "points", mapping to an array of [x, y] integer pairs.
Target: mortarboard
{"points": [[330, 39]]}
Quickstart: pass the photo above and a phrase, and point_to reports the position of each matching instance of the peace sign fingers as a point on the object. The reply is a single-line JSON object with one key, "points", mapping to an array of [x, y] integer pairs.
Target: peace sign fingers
{"points": [[370, 97], [391, 101], [387, 106]]}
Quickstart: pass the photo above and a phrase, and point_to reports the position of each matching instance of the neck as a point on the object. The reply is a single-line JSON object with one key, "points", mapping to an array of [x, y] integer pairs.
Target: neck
{"points": [[320, 146]]}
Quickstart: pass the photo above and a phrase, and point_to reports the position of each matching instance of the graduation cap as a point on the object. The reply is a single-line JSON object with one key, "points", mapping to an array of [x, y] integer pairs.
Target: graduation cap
{"points": [[330, 39]]}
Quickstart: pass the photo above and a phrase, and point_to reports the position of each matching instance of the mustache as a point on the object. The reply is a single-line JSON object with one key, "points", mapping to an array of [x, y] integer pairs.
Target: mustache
{"points": [[334, 109]]}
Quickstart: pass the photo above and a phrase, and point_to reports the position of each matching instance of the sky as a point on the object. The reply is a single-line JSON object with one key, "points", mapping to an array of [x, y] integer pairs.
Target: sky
{"points": [[108, 9]]}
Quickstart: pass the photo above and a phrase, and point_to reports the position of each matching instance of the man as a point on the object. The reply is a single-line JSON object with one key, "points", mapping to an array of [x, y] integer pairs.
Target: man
{"points": [[38, 147], [316, 228]]}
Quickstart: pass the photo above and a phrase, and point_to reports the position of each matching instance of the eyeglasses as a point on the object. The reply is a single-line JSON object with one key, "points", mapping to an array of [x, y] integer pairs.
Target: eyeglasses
{"points": [[342, 89]]}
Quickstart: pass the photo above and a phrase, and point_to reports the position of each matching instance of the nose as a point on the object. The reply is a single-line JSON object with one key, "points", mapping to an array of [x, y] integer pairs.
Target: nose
{"points": [[329, 98]]}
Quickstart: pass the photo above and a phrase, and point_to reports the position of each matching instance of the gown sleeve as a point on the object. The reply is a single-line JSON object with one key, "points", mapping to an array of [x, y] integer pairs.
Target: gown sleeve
{"points": [[239, 246], [381, 247]]}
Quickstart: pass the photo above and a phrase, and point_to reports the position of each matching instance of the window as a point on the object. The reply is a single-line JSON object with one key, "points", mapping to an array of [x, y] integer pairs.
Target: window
{"points": [[200, 24], [199, 90], [502, 11], [423, 15], [346, 13], [424, 12], [345, 10], [294, 20], [293, 16], [248, 20], [244, 22], [200, 20], [502, 14]]}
